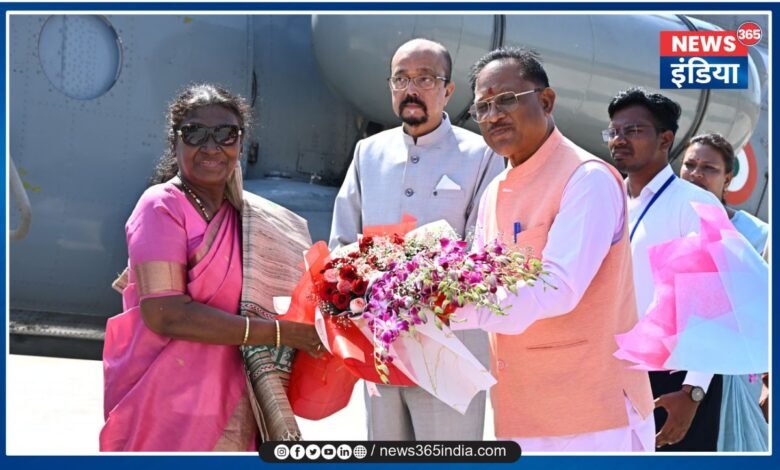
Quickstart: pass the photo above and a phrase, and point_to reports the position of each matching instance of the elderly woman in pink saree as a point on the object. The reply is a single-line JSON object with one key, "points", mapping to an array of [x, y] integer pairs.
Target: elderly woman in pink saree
{"points": [[175, 379]]}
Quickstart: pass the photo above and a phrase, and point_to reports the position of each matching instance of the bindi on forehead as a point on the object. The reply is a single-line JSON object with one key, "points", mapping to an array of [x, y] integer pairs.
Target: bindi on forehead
{"points": [[488, 92]]}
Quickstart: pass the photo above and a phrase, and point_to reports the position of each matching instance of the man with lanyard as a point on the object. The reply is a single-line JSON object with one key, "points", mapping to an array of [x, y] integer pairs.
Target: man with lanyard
{"points": [[431, 170], [559, 386], [640, 136]]}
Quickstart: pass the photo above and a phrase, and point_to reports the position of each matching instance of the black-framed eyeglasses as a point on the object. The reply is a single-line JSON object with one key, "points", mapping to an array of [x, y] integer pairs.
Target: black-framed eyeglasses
{"points": [[423, 82], [504, 102], [197, 134], [630, 131]]}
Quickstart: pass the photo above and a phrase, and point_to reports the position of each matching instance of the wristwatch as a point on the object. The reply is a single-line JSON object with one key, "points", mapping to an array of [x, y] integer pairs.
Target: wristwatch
{"points": [[695, 392]]}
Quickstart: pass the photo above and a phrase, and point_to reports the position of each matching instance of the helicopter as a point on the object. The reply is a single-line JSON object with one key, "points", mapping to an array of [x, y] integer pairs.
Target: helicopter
{"points": [[88, 93]]}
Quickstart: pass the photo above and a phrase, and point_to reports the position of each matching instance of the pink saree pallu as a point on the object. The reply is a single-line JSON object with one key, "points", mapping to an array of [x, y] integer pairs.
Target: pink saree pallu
{"points": [[164, 394]]}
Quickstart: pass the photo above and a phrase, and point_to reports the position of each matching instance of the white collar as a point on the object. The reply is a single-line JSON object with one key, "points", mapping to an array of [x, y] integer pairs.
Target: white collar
{"points": [[434, 137]]}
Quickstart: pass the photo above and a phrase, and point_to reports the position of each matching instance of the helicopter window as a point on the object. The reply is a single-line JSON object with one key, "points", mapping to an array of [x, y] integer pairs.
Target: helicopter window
{"points": [[80, 54]]}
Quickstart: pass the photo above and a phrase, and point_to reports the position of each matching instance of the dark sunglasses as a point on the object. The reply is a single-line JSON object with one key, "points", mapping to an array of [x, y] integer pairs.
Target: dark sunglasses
{"points": [[197, 134]]}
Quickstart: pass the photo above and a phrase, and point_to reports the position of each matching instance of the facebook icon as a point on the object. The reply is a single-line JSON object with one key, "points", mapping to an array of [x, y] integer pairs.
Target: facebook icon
{"points": [[297, 452]]}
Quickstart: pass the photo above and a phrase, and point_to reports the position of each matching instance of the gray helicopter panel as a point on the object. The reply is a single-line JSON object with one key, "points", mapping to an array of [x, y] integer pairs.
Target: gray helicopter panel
{"points": [[86, 124], [86, 161]]}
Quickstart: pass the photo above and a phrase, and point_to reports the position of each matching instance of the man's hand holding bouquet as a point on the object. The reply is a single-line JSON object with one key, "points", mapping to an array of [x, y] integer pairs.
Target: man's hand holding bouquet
{"points": [[382, 308]]}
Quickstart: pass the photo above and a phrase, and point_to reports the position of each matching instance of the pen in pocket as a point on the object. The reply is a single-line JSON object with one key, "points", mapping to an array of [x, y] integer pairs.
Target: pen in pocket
{"points": [[516, 230]]}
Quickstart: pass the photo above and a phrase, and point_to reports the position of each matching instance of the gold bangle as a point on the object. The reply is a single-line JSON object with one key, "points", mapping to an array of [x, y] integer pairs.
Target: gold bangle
{"points": [[246, 331], [278, 335]]}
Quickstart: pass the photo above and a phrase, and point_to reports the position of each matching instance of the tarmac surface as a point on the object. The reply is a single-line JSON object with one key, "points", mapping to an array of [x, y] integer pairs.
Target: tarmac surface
{"points": [[55, 407]]}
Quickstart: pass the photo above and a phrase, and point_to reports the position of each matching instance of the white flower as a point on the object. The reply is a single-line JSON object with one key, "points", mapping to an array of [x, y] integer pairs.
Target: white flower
{"points": [[331, 275], [357, 305]]}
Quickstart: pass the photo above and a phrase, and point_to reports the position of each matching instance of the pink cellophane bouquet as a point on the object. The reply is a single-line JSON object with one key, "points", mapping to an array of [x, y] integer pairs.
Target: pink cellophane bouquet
{"points": [[711, 308]]}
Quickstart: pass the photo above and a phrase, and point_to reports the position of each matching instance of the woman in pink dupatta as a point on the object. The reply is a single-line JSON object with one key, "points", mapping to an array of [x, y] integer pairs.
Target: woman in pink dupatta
{"points": [[174, 376]]}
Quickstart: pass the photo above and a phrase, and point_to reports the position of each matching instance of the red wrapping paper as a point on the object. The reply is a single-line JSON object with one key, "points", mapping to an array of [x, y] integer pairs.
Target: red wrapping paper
{"points": [[320, 387]]}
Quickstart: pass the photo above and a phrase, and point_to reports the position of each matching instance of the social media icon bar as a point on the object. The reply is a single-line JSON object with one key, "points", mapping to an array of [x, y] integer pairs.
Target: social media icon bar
{"points": [[391, 452]]}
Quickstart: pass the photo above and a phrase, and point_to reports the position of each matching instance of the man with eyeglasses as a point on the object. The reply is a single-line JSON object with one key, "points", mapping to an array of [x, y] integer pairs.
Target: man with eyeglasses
{"points": [[559, 386], [430, 170], [640, 136]]}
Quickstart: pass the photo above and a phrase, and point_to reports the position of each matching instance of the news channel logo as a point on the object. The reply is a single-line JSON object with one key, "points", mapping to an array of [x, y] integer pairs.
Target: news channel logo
{"points": [[707, 59]]}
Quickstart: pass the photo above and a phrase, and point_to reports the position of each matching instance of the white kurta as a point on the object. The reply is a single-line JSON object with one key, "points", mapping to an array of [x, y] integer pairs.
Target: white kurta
{"points": [[440, 176], [589, 221]]}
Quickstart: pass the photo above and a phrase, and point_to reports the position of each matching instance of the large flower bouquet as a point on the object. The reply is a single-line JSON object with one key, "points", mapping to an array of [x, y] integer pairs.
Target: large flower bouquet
{"points": [[382, 305], [711, 310]]}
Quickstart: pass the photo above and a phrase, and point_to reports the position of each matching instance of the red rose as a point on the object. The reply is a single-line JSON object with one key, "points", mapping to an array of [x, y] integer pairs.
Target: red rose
{"points": [[397, 239], [326, 290], [359, 286], [348, 272], [365, 243], [340, 301]]}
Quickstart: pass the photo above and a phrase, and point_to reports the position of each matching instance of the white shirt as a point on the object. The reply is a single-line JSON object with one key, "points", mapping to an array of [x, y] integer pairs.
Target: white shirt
{"points": [[671, 216]]}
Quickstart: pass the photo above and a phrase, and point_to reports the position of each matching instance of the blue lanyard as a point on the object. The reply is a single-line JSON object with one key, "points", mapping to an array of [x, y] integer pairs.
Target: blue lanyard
{"points": [[655, 196]]}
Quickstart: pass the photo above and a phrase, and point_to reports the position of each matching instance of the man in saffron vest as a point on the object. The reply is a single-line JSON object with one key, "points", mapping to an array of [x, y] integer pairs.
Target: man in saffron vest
{"points": [[559, 386]]}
